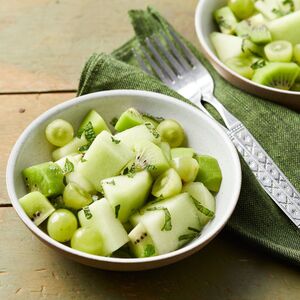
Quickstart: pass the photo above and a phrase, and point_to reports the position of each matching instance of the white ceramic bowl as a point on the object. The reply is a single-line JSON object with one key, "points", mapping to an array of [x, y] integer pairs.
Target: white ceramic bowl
{"points": [[203, 134], [205, 24]]}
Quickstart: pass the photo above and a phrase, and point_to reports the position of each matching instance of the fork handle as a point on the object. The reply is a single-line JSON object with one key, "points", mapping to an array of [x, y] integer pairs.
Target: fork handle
{"points": [[266, 172]]}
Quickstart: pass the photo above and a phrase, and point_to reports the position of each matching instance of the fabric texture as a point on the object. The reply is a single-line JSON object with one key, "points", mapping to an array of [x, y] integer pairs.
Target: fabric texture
{"points": [[256, 217]]}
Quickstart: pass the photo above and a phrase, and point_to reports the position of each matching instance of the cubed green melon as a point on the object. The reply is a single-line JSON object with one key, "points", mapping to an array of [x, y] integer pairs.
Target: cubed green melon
{"points": [[101, 216], [126, 194], [170, 223], [105, 158]]}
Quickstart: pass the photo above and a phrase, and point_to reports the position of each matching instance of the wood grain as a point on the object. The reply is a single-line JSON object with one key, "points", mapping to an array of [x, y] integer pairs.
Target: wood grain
{"points": [[16, 112], [225, 269], [48, 41]]}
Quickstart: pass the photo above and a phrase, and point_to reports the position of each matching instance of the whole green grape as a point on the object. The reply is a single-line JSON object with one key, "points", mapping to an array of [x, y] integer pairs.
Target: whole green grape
{"points": [[87, 239], [243, 9], [62, 225]]}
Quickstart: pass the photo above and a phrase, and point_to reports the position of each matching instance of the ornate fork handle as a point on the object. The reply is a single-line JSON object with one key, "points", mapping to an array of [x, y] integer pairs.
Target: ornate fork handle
{"points": [[267, 173]]}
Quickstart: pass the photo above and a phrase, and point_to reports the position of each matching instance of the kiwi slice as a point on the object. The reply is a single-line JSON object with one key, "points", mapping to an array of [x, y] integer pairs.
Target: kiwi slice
{"points": [[281, 51], [250, 48], [46, 178], [37, 207], [209, 172], [141, 244], [241, 65], [260, 34], [129, 118], [149, 157], [277, 75]]}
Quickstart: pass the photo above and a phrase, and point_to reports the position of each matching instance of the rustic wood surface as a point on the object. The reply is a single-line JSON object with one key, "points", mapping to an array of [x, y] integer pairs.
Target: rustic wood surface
{"points": [[43, 47]]}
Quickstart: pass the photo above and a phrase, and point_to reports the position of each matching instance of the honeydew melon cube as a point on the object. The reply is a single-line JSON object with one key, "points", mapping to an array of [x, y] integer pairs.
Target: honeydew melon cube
{"points": [[101, 216], [126, 194], [105, 158]]}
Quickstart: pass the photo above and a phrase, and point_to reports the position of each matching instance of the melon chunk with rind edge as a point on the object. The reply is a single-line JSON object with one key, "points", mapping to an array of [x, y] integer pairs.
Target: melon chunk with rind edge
{"points": [[105, 158], [126, 194], [37, 207], [184, 215], [226, 45], [101, 216]]}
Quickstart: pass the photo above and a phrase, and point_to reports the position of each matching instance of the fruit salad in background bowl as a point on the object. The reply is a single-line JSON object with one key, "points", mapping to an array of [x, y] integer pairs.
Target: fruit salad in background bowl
{"points": [[254, 44], [124, 180]]}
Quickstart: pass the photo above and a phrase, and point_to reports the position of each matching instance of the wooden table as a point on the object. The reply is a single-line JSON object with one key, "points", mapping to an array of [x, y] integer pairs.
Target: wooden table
{"points": [[43, 46]]}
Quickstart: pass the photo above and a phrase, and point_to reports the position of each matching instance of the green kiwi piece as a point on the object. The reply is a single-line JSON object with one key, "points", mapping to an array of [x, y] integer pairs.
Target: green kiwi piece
{"points": [[37, 207], [277, 75], [129, 118], [250, 48], [296, 87], [150, 157], [141, 244], [281, 51], [46, 178], [260, 34], [209, 172], [225, 19], [241, 65], [97, 122]]}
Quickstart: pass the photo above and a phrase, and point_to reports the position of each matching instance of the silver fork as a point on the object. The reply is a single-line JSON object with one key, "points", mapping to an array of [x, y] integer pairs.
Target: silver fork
{"points": [[174, 64]]}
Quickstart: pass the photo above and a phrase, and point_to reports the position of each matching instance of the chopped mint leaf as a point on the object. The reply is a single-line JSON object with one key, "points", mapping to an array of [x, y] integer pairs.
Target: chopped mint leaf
{"points": [[68, 167], [115, 140], [84, 148], [168, 224], [89, 132], [222, 23], [82, 159], [157, 119], [152, 130], [194, 229], [112, 182], [187, 237], [87, 212], [117, 209], [150, 167], [203, 209], [258, 64], [149, 250], [113, 121]]}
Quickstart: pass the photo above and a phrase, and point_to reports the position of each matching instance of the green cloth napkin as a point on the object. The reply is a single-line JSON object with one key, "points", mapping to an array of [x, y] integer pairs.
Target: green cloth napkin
{"points": [[277, 128]]}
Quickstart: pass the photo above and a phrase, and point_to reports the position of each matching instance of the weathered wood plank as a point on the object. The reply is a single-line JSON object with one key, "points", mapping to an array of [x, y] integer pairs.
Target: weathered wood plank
{"points": [[16, 112], [44, 44], [225, 269]]}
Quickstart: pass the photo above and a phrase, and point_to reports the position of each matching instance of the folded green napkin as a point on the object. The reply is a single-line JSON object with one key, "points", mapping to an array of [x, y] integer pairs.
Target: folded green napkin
{"points": [[277, 128]]}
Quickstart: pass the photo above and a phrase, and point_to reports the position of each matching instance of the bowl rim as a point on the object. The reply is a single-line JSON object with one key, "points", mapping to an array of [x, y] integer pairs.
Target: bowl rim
{"points": [[103, 94], [210, 54]]}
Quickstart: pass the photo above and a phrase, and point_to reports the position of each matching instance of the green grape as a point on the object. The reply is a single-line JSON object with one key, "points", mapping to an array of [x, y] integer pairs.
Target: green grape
{"points": [[59, 132], [186, 167], [281, 51], [297, 53], [168, 184], [171, 132], [61, 225], [87, 239], [243, 9], [75, 197]]}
